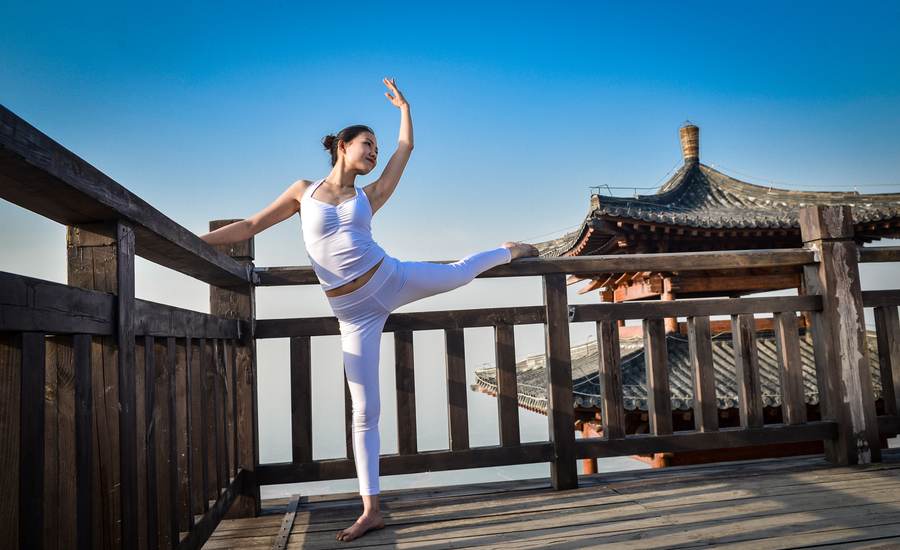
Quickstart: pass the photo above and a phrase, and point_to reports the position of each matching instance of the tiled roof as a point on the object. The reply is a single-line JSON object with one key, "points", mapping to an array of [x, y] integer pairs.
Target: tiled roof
{"points": [[532, 375], [698, 196]]}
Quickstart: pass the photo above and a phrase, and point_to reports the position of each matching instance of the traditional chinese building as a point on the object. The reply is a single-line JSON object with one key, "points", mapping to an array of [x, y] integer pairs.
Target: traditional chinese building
{"points": [[697, 209]]}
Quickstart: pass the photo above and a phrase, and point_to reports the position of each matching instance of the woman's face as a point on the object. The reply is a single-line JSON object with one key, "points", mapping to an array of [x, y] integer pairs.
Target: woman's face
{"points": [[362, 152]]}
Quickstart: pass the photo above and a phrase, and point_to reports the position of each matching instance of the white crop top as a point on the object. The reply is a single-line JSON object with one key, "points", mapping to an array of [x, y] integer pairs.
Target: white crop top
{"points": [[338, 238]]}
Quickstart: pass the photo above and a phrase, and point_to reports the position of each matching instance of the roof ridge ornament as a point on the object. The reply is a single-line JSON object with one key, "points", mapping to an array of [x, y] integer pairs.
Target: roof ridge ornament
{"points": [[690, 141]]}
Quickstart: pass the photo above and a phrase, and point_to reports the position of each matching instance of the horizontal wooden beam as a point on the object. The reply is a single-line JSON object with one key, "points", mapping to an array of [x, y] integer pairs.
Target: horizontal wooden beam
{"points": [[427, 320], [152, 319], [692, 441], [432, 461], [879, 254], [589, 265], [35, 305], [881, 298], [693, 308], [41, 175]]}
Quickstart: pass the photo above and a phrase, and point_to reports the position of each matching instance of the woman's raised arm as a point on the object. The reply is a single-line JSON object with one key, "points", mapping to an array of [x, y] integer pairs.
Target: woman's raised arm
{"points": [[283, 208], [381, 189]]}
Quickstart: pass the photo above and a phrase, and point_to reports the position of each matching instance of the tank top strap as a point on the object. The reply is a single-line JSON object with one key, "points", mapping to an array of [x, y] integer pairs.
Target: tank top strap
{"points": [[310, 190]]}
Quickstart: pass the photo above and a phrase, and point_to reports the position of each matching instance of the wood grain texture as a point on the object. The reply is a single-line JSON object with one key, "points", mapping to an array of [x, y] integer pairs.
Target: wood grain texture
{"points": [[656, 362], [563, 470], [457, 390], [706, 417], [790, 368], [507, 386], [613, 400], [746, 366]]}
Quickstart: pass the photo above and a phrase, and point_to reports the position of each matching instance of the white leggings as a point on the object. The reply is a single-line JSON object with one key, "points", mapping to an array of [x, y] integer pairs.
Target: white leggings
{"points": [[362, 315]]}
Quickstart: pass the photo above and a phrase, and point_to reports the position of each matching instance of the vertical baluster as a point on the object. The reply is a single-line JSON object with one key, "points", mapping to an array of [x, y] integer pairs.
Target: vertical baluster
{"points": [[507, 386], [175, 397], [458, 414], [151, 520], [703, 374], [11, 435], [186, 509], [612, 398], [659, 401], [887, 330], [31, 442], [746, 366], [406, 393], [201, 423], [221, 421], [301, 400], [51, 442], [790, 368], [84, 441], [561, 410], [348, 418]]}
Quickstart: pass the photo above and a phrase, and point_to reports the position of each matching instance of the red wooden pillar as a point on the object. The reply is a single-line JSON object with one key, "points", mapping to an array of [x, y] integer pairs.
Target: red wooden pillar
{"points": [[846, 394]]}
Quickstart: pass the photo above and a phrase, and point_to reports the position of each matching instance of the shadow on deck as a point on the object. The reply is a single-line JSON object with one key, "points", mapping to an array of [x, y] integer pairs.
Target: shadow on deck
{"points": [[803, 502]]}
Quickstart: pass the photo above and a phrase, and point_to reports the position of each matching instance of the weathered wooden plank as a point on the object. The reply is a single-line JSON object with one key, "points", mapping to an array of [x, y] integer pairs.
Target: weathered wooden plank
{"points": [[31, 448], [239, 302], [746, 366], [722, 439], [407, 437], [50, 430], [150, 519], [230, 356], [207, 429], [240, 485], [66, 441], [790, 368], [426, 461], [656, 363], [398, 322], [152, 319], [159, 487], [42, 176], [561, 416], [457, 390], [218, 374], [887, 330], [879, 254], [507, 386], [143, 504], [842, 364], [196, 427], [881, 298], [10, 433], [170, 455], [301, 399], [28, 304], [184, 444], [611, 393], [706, 417], [693, 308], [84, 441], [125, 339], [694, 261]]}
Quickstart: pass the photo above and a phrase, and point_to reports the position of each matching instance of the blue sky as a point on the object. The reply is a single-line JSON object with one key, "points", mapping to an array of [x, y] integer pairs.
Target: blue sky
{"points": [[210, 110]]}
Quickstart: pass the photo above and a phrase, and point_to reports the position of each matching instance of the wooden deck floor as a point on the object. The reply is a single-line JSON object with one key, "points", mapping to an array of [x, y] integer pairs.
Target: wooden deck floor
{"points": [[779, 503]]}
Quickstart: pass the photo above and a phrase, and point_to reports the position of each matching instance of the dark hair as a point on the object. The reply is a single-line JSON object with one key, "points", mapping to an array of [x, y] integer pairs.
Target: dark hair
{"points": [[346, 135]]}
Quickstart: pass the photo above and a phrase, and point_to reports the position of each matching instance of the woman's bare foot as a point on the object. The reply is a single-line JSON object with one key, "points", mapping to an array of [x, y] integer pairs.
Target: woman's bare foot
{"points": [[521, 250], [369, 521]]}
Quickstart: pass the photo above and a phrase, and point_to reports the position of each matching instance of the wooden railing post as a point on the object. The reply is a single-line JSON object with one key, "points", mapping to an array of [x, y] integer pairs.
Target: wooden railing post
{"points": [[846, 394], [239, 302], [560, 405], [101, 257]]}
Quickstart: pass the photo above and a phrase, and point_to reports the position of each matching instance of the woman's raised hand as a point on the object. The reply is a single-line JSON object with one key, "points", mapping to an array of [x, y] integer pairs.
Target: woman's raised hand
{"points": [[397, 99]]}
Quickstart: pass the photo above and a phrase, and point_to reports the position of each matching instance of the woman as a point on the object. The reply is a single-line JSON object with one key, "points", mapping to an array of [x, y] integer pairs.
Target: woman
{"points": [[362, 283]]}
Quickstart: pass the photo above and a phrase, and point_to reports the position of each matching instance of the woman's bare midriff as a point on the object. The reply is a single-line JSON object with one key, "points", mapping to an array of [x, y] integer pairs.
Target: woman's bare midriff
{"points": [[355, 284]]}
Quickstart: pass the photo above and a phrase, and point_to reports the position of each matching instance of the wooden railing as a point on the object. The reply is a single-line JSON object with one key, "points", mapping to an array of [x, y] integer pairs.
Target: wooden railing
{"points": [[845, 441], [125, 423], [130, 424]]}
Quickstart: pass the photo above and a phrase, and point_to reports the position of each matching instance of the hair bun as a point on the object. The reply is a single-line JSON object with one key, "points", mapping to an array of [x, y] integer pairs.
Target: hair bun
{"points": [[328, 141]]}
